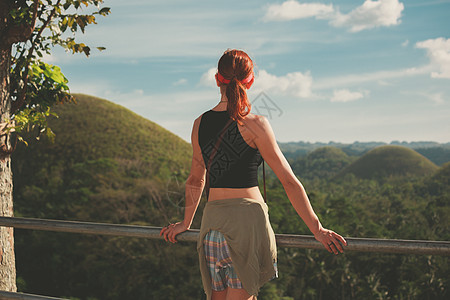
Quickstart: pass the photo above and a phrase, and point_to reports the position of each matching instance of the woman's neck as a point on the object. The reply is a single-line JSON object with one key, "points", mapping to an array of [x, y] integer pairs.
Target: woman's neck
{"points": [[222, 105]]}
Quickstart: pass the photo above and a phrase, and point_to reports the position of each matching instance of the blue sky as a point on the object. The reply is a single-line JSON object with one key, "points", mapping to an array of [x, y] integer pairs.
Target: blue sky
{"points": [[340, 71]]}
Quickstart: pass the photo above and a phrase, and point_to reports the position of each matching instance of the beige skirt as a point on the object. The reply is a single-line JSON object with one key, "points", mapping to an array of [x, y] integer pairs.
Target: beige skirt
{"points": [[245, 224]]}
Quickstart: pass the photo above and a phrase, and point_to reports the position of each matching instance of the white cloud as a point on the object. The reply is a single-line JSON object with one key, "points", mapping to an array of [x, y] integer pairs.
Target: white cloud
{"points": [[380, 77], [181, 81], [208, 78], [438, 51], [291, 10], [344, 95], [436, 98], [96, 88], [295, 84], [369, 15], [405, 43]]}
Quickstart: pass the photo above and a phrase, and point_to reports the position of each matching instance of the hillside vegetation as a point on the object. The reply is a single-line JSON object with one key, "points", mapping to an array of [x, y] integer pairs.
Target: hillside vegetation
{"points": [[111, 165]]}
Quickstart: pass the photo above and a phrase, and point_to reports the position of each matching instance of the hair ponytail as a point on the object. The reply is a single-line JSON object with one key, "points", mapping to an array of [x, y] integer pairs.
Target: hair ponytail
{"points": [[236, 67], [238, 105]]}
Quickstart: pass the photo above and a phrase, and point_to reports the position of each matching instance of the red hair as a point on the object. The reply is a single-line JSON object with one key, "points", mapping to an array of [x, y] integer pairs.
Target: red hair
{"points": [[237, 67]]}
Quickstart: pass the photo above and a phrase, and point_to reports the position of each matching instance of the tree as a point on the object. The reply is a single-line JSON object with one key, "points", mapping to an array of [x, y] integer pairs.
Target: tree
{"points": [[29, 86]]}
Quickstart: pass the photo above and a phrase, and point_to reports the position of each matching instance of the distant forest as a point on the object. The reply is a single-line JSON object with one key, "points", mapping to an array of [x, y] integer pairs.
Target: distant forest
{"points": [[438, 153], [111, 165]]}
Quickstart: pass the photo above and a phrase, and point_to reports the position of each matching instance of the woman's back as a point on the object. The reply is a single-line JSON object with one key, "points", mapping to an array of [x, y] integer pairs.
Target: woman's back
{"points": [[235, 163], [210, 128]]}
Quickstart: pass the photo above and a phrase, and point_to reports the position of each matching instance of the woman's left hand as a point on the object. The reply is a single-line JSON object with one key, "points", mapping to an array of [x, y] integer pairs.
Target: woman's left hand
{"points": [[332, 241], [172, 230]]}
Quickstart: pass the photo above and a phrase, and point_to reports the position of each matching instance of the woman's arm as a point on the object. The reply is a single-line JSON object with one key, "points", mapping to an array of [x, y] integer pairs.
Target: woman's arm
{"points": [[265, 141], [196, 180], [194, 188]]}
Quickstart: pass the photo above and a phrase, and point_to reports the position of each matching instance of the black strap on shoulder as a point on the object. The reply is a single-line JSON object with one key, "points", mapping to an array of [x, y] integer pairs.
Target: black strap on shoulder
{"points": [[264, 180]]}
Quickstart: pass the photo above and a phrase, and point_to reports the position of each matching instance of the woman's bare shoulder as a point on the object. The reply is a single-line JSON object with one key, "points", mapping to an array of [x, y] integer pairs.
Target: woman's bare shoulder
{"points": [[256, 122], [253, 118]]}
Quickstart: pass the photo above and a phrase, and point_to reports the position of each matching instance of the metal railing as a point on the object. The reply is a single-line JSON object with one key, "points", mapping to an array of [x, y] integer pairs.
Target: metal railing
{"points": [[283, 240], [11, 295]]}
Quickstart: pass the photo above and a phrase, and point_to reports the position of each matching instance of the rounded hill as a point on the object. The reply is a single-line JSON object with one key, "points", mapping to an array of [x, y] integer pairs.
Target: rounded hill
{"points": [[106, 164], [390, 161], [95, 128], [324, 162], [328, 153]]}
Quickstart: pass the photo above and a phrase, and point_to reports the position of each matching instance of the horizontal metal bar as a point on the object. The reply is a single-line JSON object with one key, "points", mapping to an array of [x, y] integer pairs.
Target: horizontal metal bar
{"points": [[283, 240], [11, 295]]}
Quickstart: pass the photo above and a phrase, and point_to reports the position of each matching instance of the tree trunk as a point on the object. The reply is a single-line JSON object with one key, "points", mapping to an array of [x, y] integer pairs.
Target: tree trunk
{"points": [[7, 258]]}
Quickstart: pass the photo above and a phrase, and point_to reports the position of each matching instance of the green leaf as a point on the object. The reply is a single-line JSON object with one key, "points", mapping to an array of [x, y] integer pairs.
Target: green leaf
{"points": [[48, 72], [50, 134], [58, 77], [74, 27], [36, 70], [86, 50], [22, 140], [105, 11]]}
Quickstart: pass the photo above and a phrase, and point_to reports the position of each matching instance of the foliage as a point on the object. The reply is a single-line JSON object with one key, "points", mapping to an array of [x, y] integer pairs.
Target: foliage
{"points": [[36, 85], [97, 171]]}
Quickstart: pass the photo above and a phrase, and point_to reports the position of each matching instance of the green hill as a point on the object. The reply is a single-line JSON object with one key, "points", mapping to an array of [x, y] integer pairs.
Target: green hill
{"points": [[102, 152], [328, 152], [324, 162], [390, 161], [95, 128]]}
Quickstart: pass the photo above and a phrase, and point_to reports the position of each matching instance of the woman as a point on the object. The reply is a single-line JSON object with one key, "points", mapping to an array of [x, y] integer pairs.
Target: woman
{"points": [[236, 245]]}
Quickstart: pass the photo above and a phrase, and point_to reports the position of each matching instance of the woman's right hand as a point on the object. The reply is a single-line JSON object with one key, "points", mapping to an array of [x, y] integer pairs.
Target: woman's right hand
{"points": [[331, 240], [172, 230]]}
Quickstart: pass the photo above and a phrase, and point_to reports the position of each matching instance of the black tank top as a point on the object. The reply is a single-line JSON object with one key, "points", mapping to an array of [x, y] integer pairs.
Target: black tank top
{"points": [[235, 164]]}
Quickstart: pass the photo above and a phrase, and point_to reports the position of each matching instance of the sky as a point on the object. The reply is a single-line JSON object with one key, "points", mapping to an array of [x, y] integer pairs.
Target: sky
{"points": [[340, 71]]}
